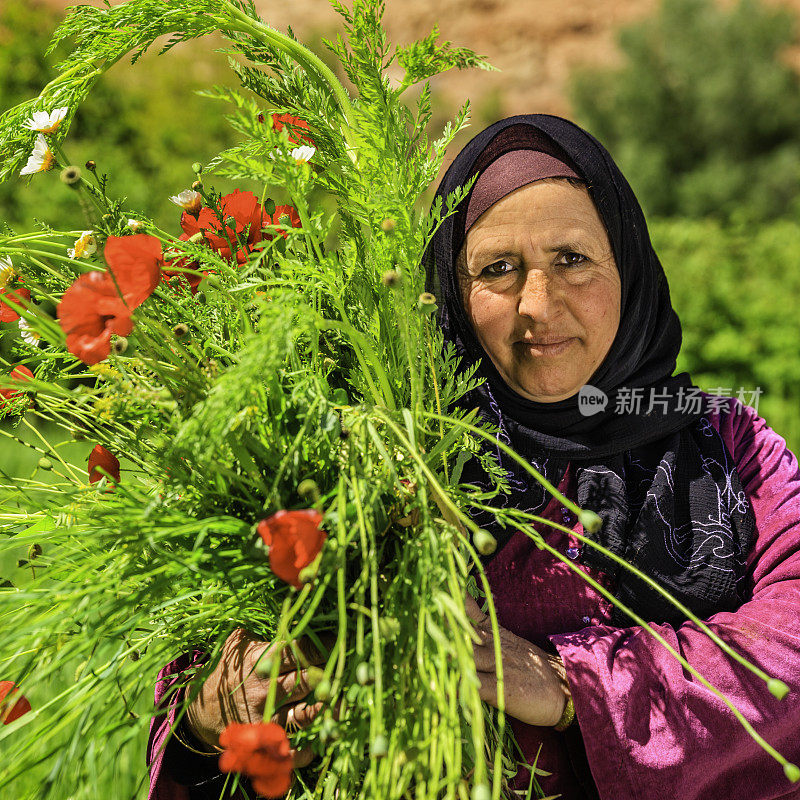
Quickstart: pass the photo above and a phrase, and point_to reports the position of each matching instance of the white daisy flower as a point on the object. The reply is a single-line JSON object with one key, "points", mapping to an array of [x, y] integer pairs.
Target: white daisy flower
{"points": [[188, 200], [134, 224], [303, 154], [27, 333], [42, 122], [85, 245], [6, 271], [40, 160]]}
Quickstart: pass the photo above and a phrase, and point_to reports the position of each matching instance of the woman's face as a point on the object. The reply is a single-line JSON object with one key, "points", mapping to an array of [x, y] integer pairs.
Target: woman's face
{"points": [[539, 270]]}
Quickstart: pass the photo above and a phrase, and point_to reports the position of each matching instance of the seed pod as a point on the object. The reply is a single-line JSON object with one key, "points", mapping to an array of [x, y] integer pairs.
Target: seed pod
{"points": [[426, 303], [388, 225], [484, 542], [379, 747], [364, 674], [197, 186], [120, 345], [591, 522], [70, 175], [181, 330], [134, 655], [269, 206]]}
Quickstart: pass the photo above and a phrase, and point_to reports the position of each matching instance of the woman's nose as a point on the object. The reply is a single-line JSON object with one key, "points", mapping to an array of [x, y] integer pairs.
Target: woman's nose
{"points": [[539, 297]]}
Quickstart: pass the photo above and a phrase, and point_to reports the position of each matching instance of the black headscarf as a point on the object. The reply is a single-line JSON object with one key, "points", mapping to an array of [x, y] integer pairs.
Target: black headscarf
{"points": [[663, 482]]}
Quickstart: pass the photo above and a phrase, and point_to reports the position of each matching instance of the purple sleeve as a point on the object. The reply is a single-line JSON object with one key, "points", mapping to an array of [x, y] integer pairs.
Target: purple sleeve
{"points": [[650, 728], [170, 687]]}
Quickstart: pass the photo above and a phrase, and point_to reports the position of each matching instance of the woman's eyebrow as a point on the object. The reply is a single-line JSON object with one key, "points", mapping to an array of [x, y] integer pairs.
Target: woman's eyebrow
{"points": [[505, 252]]}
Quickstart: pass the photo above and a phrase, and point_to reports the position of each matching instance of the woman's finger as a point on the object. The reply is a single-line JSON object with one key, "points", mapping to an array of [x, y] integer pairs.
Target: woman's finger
{"points": [[473, 609], [299, 715], [484, 657], [302, 758]]}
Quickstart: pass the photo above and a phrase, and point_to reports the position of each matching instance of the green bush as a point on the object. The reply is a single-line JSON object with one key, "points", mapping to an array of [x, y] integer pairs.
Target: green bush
{"points": [[704, 116], [736, 290]]}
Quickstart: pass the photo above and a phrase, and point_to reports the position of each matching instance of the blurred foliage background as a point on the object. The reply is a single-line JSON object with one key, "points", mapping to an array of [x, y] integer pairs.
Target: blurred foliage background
{"points": [[702, 114]]}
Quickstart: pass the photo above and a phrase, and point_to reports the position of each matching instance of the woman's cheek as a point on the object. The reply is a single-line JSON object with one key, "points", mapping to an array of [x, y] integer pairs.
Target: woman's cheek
{"points": [[492, 316]]}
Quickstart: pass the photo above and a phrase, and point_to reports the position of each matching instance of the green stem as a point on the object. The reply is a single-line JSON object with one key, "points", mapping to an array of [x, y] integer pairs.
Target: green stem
{"points": [[316, 68]]}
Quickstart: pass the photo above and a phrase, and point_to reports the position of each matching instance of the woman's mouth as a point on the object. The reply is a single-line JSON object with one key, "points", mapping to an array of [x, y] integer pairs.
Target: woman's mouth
{"points": [[553, 349]]}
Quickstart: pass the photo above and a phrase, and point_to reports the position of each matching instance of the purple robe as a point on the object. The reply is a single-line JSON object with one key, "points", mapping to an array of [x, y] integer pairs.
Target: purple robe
{"points": [[649, 729]]}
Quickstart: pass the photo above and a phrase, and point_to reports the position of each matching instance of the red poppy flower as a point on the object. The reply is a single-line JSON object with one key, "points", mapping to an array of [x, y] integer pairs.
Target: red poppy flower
{"points": [[294, 539], [8, 712], [9, 303], [106, 460], [296, 127], [174, 265], [262, 752], [286, 211], [99, 303], [18, 373], [135, 262], [243, 219]]}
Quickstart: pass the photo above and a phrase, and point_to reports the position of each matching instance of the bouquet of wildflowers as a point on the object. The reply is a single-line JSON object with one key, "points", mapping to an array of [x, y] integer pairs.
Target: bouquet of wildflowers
{"points": [[253, 423]]}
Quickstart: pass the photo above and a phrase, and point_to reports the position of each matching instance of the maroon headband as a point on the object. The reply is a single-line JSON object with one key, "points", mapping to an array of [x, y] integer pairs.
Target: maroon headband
{"points": [[509, 173]]}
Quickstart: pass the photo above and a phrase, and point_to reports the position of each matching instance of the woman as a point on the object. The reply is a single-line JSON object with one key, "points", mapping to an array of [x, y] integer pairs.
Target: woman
{"points": [[547, 277]]}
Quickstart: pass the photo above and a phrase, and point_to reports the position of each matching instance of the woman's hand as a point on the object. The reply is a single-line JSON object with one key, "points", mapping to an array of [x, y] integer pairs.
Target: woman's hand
{"points": [[233, 692], [535, 683]]}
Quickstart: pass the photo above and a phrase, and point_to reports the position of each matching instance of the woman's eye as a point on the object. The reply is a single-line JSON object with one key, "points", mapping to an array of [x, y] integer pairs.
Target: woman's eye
{"points": [[498, 268], [573, 258]]}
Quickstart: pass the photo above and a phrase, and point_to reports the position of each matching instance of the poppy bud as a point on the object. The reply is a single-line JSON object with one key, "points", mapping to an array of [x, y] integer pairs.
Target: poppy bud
{"points": [[197, 186], [379, 747], [45, 463], [34, 551], [391, 278], [777, 688], [134, 655], [70, 175], [484, 542], [322, 691], [264, 667], [480, 791], [388, 225], [181, 330], [197, 167], [308, 488], [91, 166], [364, 674], [120, 345], [314, 676]]}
